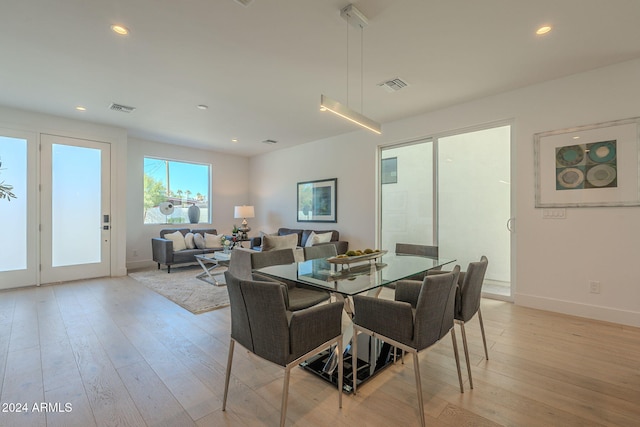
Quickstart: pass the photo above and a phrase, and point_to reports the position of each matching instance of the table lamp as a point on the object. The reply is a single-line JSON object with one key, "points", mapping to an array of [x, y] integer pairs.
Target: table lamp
{"points": [[244, 212]]}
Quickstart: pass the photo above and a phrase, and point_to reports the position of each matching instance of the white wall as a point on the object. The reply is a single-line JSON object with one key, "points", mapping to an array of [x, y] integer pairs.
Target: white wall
{"points": [[229, 187], [553, 259]]}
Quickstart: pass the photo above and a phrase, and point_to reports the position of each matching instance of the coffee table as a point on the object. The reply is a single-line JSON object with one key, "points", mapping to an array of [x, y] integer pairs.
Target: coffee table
{"points": [[213, 264]]}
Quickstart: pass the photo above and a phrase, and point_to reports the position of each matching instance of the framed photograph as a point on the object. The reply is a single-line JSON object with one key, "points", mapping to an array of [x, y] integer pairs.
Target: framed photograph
{"points": [[593, 165], [317, 201]]}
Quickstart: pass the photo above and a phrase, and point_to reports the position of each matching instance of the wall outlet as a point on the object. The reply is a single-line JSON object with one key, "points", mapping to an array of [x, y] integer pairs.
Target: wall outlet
{"points": [[135, 252], [594, 287]]}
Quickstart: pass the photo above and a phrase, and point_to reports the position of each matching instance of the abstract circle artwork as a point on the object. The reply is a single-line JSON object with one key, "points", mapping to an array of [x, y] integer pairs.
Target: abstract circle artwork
{"points": [[584, 166]]}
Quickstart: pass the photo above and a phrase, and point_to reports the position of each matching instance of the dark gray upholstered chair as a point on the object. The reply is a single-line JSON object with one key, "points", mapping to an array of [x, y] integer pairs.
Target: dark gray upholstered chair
{"points": [[243, 262], [261, 323], [240, 264], [421, 314], [418, 250], [422, 250], [319, 251], [468, 303]]}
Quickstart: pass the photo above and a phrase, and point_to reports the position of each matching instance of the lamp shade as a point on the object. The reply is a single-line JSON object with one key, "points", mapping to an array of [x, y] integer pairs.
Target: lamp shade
{"points": [[244, 212]]}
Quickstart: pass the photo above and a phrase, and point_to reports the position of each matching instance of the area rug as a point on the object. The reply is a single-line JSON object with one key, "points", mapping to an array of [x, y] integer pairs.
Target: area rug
{"points": [[182, 287]]}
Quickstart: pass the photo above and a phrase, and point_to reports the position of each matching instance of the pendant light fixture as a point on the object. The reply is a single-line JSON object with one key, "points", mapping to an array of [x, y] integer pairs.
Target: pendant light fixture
{"points": [[357, 19]]}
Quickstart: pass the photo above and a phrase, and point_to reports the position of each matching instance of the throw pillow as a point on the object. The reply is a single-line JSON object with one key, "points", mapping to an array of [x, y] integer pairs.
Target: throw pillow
{"points": [[270, 243], [198, 240], [314, 238], [178, 241], [213, 240], [188, 241], [262, 234]]}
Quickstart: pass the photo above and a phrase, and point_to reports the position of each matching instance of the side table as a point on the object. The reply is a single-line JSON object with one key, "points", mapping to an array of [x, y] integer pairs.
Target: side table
{"points": [[213, 264]]}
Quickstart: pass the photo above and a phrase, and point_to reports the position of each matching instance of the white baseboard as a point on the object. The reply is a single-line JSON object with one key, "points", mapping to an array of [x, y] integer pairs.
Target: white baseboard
{"points": [[607, 314]]}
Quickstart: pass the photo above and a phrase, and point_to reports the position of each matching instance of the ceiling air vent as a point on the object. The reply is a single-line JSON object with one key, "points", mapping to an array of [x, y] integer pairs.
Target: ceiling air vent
{"points": [[269, 141], [244, 2], [121, 108], [393, 85]]}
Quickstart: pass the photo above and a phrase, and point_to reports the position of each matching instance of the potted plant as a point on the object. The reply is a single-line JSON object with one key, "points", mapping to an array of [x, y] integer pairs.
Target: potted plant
{"points": [[6, 190]]}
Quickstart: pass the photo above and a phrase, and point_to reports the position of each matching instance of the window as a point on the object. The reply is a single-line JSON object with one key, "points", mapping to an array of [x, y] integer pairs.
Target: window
{"points": [[13, 202], [390, 170], [172, 189]]}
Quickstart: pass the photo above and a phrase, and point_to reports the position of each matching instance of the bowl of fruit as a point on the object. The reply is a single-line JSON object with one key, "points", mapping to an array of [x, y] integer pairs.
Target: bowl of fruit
{"points": [[354, 256]]}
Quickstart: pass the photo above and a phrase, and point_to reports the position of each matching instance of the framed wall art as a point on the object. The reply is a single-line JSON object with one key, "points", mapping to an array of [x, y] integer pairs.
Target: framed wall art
{"points": [[317, 201], [593, 165]]}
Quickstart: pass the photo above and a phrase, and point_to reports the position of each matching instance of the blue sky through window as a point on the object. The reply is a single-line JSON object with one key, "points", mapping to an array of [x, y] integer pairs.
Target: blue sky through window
{"points": [[183, 176]]}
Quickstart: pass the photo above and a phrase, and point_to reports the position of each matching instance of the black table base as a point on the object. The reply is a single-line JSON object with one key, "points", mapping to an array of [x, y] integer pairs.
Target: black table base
{"points": [[323, 366]]}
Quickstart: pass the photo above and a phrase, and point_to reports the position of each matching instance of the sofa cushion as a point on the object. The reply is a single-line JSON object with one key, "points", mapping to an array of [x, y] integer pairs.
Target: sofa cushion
{"points": [[287, 231], [198, 240], [335, 235], [270, 243], [178, 240], [315, 238], [166, 231], [212, 240], [188, 241]]}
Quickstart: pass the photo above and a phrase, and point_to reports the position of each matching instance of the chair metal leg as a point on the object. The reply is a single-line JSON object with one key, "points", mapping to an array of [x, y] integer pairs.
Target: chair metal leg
{"points": [[285, 395], [455, 353], [354, 357], [484, 339], [466, 353], [340, 370], [228, 374], [416, 368]]}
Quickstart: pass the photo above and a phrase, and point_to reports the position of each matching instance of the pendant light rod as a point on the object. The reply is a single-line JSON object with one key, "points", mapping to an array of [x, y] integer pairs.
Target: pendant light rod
{"points": [[356, 19]]}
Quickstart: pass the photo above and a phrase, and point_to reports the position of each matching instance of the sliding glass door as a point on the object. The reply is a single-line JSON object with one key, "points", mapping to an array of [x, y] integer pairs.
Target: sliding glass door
{"points": [[474, 202], [407, 195], [451, 191]]}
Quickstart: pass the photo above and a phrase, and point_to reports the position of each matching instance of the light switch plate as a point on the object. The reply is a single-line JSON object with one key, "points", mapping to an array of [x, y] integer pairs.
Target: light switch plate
{"points": [[560, 213]]}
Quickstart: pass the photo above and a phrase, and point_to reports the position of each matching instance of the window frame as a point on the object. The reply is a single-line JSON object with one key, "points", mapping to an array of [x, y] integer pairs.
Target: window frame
{"points": [[181, 204]]}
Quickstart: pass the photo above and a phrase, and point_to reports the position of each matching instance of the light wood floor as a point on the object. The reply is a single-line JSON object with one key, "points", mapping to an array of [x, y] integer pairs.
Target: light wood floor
{"points": [[122, 355]]}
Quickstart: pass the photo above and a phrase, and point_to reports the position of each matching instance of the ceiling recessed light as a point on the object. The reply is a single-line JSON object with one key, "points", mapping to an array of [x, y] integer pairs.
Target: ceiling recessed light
{"points": [[120, 29], [202, 107], [543, 30], [81, 108], [234, 140]]}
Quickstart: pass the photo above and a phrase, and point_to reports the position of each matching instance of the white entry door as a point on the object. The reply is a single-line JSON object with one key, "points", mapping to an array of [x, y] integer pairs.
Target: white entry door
{"points": [[75, 211]]}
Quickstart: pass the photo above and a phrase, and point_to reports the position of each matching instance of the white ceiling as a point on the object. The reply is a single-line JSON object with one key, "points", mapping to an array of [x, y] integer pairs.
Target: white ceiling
{"points": [[261, 69]]}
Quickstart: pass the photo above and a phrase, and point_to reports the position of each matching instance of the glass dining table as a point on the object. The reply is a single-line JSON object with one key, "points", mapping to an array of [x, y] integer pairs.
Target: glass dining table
{"points": [[344, 281]]}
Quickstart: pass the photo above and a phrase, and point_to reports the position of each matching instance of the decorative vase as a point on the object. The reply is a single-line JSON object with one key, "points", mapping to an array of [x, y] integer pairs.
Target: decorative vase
{"points": [[194, 214]]}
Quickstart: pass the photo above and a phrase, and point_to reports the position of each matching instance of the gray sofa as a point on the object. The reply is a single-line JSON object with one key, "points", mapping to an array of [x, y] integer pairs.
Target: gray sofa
{"points": [[164, 254], [341, 245]]}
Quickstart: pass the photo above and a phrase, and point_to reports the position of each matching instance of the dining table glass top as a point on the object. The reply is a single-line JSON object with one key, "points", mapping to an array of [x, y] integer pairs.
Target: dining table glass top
{"points": [[352, 279]]}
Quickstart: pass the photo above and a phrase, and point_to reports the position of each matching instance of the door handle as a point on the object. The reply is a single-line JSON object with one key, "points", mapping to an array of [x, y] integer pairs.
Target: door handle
{"points": [[510, 222]]}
